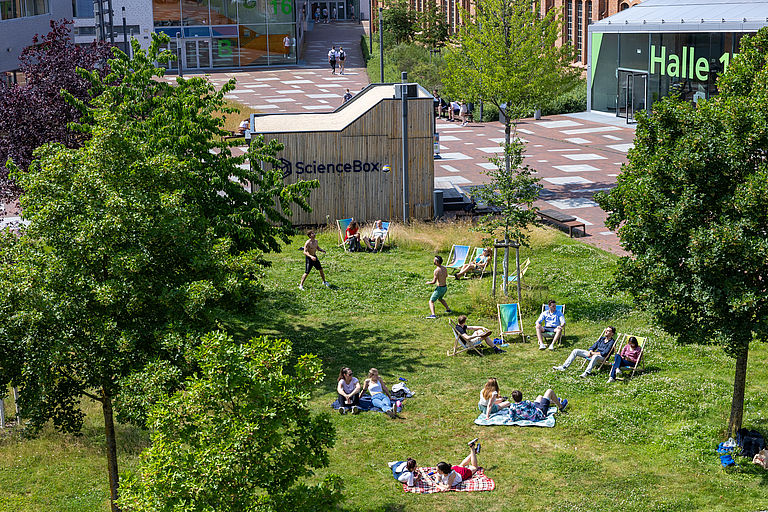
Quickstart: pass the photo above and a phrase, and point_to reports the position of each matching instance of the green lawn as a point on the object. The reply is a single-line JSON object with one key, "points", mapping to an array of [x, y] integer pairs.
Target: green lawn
{"points": [[643, 444]]}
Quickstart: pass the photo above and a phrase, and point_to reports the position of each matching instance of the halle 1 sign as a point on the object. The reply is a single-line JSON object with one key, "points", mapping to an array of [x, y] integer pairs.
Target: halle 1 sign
{"points": [[685, 66]]}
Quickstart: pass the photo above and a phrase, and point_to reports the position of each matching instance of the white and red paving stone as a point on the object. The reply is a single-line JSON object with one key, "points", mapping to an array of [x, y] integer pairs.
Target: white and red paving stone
{"points": [[574, 155]]}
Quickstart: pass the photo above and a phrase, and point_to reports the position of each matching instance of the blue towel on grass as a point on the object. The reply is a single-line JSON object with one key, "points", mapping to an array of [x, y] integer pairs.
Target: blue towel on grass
{"points": [[504, 418]]}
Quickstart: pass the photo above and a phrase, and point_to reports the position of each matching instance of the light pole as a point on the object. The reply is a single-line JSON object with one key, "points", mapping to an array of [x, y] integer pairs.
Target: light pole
{"points": [[178, 49], [370, 29], [404, 128], [125, 35], [381, 45]]}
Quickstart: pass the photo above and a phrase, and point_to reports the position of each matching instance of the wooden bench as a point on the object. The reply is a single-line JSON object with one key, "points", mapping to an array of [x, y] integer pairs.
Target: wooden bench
{"points": [[562, 219]]}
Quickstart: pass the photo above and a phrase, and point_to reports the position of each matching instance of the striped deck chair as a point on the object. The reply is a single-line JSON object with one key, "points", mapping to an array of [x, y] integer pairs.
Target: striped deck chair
{"points": [[478, 253], [608, 361], [385, 227], [523, 270], [460, 344], [623, 339], [458, 257], [343, 224], [509, 320], [560, 308]]}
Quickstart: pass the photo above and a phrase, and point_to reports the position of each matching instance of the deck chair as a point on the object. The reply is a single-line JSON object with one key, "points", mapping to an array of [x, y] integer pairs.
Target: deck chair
{"points": [[523, 270], [642, 342], [343, 224], [509, 320], [457, 258], [385, 227], [460, 345], [560, 308], [477, 254], [608, 361]]}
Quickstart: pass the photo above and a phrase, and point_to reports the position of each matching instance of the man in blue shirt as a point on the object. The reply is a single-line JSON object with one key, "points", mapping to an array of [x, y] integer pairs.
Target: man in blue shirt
{"points": [[550, 320], [599, 350]]}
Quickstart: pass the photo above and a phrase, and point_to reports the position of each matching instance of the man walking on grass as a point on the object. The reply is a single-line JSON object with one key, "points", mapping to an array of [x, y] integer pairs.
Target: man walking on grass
{"points": [[439, 277], [311, 248]]}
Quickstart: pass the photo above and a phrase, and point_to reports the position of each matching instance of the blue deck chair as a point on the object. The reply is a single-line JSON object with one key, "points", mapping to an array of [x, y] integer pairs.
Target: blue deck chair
{"points": [[343, 224], [458, 257], [478, 253], [560, 308], [385, 227], [509, 320], [523, 270]]}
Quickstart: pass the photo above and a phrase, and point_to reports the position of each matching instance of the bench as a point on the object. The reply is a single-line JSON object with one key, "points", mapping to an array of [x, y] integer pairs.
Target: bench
{"points": [[562, 219]]}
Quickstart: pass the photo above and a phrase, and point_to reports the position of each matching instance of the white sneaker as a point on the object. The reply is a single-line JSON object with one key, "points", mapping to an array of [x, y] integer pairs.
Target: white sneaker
{"points": [[542, 346], [301, 288], [618, 372], [610, 379], [326, 283], [585, 374], [559, 368], [551, 347]]}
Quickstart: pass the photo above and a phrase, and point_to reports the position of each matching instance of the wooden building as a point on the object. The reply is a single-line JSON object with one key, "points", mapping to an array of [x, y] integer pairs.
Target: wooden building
{"points": [[355, 153]]}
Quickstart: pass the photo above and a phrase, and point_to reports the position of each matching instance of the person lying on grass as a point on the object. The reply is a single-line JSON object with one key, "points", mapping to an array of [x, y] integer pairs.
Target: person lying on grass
{"points": [[478, 331], [380, 395], [349, 389], [478, 263], [536, 410], [405, 471], [490, 401], [450, 476]]}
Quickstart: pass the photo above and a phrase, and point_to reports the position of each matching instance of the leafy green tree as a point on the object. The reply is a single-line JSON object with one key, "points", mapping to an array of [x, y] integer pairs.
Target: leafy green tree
{"points": [[239, 437], [399, 21], [507, 56], [138, 241], [434, 26], [691, 207], [513, 193]]}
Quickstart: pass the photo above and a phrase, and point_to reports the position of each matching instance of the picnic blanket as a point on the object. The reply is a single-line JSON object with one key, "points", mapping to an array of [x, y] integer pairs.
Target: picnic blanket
{"points": [[503, 417], [425, 485], [365, 405]]}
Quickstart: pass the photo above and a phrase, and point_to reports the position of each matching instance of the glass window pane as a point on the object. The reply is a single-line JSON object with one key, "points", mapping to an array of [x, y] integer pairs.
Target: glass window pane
{"points": [[225, 53], [223, 12], [253, 45], [282, 10], [604, 73], [252, 12], [10, 9], [282, 47], [633, 51], [83, 9], [195, 12], [167, 13]]}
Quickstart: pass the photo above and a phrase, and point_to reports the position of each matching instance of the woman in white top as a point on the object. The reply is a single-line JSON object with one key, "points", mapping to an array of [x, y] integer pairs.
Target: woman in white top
{"points": [[478, 263], [405, 471], [450, 476], [379, 392], [490, 402], [348, 388]]}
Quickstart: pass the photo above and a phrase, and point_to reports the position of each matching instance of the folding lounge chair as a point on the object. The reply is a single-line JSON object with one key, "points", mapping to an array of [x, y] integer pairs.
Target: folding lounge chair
{"points": [[460, 345], [385, 227], [523, 270], [560, 308], [343, 224], [608, 361], [458, 257], [509, 320], [477, 254], [642, 342]]}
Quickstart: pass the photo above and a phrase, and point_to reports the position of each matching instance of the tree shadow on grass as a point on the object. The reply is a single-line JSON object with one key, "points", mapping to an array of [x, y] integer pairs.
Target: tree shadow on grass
{"points": [[598, 311]]}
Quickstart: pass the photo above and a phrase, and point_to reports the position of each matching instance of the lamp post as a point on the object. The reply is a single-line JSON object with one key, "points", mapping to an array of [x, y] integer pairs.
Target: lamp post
{"points": [[404, 129], [125, 35], [178, 49], [381, 45], [370, 29]]}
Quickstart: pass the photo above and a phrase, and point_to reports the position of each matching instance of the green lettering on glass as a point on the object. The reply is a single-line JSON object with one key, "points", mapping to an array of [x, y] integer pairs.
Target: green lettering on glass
{"points": [[702, 69], [286, 6], [673, 69], [725, 60], [684, 62], [225, 47], [658, 60]]}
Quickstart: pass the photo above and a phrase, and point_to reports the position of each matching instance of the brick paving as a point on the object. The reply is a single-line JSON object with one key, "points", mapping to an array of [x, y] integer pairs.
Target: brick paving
{"points": [[574, 155]]}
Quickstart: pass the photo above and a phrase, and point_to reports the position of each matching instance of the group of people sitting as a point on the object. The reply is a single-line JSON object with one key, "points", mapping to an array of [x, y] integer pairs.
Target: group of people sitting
{"points": [[447, 475], [601, 349], [359, 243], [350, 391], [491, 403], [452, 110]]}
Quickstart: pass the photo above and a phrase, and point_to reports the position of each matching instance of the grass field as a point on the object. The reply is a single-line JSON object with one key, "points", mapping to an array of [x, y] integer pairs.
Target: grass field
{"points": [[640, 444]]}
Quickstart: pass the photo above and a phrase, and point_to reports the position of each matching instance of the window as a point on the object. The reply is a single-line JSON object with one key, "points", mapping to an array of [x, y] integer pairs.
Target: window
{"points": [[624, 7], [569, 16], [82, 8], [579, 35], [85, 31], [10, 9]]}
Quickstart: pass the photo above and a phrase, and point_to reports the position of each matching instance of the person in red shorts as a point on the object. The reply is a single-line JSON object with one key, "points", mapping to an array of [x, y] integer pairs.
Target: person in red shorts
{"points": [[450, 476]]}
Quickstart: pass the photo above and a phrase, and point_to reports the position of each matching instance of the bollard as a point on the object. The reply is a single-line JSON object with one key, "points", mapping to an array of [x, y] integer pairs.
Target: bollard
{"points": [[437, 199]]}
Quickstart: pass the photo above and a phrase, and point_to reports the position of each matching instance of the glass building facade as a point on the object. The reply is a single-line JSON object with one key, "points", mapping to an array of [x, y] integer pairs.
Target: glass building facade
{"points": [[229, 33], [12, 9]]}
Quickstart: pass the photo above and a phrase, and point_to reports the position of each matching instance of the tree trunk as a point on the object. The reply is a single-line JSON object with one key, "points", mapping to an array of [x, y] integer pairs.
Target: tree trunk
{"points": [[739, 383], [507, 142], [109, 430], [505, 266]]}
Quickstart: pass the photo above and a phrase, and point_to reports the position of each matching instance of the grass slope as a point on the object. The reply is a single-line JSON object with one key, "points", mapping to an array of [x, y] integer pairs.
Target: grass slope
{"points": [[641, 444]]}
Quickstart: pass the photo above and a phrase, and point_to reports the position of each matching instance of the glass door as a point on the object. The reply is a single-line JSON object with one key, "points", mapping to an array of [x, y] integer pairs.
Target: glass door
{"points": [[341, 11], [197, 53], [632, 93]]}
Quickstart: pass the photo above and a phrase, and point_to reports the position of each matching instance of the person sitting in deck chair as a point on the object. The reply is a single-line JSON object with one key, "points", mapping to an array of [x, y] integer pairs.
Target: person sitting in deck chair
{"points": [[550, 320], [478, 263], [352, 236], [478, 332], [629, 356], [376, 241], [596, 353]]}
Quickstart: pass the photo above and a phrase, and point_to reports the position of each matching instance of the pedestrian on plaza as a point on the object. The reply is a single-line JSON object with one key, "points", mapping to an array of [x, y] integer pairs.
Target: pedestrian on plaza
{"points": [[287, 45], [342, 58], [463, 113], [352, 12], [334, 14], [325, 14], [332, 59], [317, 15]]}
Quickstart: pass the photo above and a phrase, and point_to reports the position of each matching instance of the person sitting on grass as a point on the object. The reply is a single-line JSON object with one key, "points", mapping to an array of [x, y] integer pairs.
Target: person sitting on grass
{"points": [[450, 476], [478, 263], [596, 353], [439, 277], [405, 471], [629, 356], [352, 236], [490, 401], [348, 388], [376, 241], [478, 331], [380, 395], [536, 410]]}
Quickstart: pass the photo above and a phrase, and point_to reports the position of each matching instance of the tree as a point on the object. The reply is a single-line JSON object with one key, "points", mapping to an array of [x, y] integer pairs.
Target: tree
{"points": [[138, 241], [507, 55], [400, 21], [513, 193], [36, 112], [691, 207], [238, 437], [434, 27]]}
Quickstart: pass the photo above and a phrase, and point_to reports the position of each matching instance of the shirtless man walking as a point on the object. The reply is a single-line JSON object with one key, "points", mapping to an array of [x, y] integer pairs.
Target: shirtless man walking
{"points": [[311, 260], [440, 276]]}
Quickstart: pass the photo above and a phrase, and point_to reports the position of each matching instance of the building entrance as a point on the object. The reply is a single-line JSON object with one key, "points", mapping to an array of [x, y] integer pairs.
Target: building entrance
{"points": [[632, 93], [337, 9], [197, 53]]}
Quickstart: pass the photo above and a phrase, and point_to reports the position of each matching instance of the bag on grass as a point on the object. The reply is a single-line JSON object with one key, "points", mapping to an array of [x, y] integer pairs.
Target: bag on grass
{"points": [[750, 441]]}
